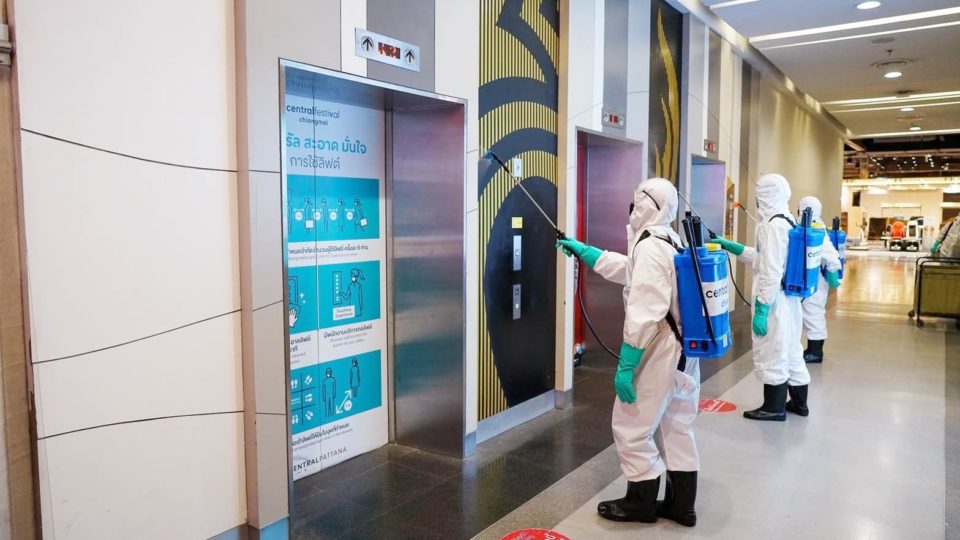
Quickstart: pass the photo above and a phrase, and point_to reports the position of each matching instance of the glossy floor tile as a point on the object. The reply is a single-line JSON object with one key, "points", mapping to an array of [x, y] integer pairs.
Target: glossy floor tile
{"points": [[870, 460], [878, 458]]}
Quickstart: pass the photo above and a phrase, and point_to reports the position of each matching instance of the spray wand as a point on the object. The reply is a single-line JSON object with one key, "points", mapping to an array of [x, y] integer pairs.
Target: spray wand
{"points": [[560, 234], [738, 204]]}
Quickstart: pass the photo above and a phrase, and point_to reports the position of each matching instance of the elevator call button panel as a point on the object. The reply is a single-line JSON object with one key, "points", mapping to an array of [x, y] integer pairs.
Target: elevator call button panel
{"points": [[517, 251]]}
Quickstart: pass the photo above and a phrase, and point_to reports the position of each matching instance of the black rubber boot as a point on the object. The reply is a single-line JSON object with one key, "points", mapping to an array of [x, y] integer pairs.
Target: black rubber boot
{"points": [[774, 403], [798, 400], [814, 352], [640, 504], [680, 498]]}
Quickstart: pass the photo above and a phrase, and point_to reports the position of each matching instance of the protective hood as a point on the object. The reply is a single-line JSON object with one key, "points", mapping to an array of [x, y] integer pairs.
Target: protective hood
{"points": [[655, 202], [813, 204], [773, 196]]}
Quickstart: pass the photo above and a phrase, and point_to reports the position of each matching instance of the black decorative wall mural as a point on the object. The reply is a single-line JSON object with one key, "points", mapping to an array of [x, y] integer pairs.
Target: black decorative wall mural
{"points": [[666, 41], [519, 44]]}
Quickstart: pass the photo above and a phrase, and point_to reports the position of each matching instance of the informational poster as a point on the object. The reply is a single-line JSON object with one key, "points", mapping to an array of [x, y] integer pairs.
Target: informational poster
{"points": [[334, 170]]}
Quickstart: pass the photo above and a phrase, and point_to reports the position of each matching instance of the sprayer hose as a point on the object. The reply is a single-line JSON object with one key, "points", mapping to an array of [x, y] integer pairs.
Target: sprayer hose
{"points": [[586, 318], [736, 288]]}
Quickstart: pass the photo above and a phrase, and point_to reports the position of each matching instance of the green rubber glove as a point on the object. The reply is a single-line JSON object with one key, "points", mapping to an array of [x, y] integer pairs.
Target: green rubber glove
{"points": [[833, 279], [587, 254], [729, 245], [623, 380], [936, 244], [760, 311]]}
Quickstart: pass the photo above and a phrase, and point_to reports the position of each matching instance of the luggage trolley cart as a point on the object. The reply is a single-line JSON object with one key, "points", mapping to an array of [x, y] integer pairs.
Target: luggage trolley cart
{"points": [[936, 289]]}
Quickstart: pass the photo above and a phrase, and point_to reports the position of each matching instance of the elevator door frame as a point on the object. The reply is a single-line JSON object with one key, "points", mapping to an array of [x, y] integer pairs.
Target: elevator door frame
{"points": [[447, 246], [610, 315], [701, 161]]}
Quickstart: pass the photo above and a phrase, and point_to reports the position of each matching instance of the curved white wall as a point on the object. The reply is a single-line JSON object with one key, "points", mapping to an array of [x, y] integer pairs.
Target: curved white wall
{"points": [[803, 148], [130, 206]]}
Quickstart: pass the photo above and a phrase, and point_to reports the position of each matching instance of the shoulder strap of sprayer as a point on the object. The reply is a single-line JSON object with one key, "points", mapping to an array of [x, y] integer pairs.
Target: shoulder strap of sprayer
{"points": [[671, 322], [781, 216], [783, 280]]}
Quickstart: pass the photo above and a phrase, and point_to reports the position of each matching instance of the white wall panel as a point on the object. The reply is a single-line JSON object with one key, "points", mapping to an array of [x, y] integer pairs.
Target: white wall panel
{"points": [[458, 50], [144, 78], [266, 246], [585, 67], [638, 124], [353, 15], [272, 451], [194, 370], [269, 348], [638, 47], [802, 147], [119, 249], [293, 29], [163, 479]]}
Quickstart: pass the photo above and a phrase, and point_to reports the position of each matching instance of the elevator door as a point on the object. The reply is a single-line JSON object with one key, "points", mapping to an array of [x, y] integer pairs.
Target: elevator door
{"points": [[609, 170], [708, 192]]}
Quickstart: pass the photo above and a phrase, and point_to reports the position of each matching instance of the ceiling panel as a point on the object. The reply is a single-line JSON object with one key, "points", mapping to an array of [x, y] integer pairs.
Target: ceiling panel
{"points": [[775, 16], [843, 69], [928, 118]]}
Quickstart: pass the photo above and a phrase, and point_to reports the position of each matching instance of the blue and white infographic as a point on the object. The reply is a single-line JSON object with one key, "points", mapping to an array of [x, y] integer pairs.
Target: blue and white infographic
{"points": [[338, 389], [333, 162]]}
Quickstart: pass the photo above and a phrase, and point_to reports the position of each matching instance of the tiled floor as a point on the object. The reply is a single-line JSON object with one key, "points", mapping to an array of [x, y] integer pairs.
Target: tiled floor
{"points": [[868, 463], [398, 492]]}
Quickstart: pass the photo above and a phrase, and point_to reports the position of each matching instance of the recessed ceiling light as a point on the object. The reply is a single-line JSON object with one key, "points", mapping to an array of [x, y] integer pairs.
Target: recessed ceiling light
{"points": [[732, 3], [893, 74], [906, 109], [880, 41], [868, 5], [915, 128]]}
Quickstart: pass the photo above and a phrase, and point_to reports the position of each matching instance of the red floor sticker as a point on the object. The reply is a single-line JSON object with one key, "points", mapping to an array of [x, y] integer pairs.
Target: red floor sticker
{"points": [[716, 405], [534, 534]]}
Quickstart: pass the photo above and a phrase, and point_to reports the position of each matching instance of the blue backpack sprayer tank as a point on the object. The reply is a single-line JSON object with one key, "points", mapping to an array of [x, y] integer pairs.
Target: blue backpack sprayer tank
{"points": [[839, 238], [704, 295], [804, 252]]}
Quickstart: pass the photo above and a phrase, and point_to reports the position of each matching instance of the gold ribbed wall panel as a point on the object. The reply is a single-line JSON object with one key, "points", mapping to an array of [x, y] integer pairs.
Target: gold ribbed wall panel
{"points": [[503, 55], [511, 117], [531, 15]]}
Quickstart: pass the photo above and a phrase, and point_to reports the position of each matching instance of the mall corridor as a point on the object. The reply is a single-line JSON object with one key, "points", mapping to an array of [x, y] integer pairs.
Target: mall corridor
{"points": [[878, 457], [496, 269]]}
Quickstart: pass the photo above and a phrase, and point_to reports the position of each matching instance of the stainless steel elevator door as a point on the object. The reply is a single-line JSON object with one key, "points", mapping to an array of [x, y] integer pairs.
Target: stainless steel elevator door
{"points": [[708, 192], [613, 169], [427, 200]]}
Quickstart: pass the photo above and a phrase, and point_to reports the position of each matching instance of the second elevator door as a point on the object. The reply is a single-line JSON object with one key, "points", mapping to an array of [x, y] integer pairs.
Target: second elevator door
{"points": [[611, 170]]}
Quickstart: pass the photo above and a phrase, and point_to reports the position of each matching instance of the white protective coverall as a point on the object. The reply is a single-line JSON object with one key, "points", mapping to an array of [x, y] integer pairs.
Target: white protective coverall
{"points": [[949, 238], [777, 356], [655, 432], [814, 307]]}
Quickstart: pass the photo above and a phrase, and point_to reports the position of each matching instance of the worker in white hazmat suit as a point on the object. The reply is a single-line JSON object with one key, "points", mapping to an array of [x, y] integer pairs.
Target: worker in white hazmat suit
{"points": [[948, 241], [815, 307], [657, 388], [777, 318]]}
